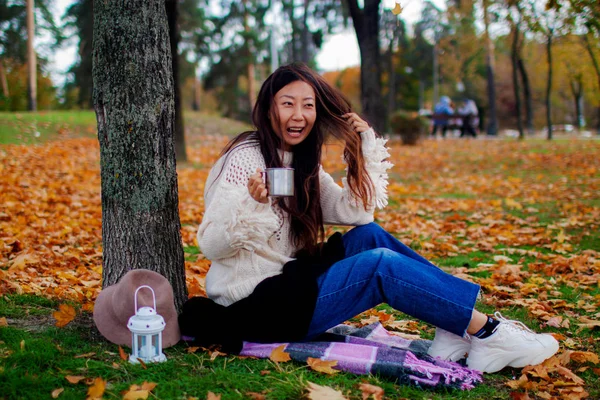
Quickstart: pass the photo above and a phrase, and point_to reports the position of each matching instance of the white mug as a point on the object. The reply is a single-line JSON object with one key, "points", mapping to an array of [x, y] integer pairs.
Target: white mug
{"points": [[279, 181]]}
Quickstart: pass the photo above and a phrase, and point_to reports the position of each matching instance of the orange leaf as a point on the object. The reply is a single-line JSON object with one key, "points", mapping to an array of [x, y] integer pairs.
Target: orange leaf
{"points": [[318, 392], [122, 354], [212, 396], [64, 315], [149, 386], [136, 394], [57, 392], [322, 365], [278, 355], [519, 396], [3, 322], [567, 373], [256, 396], [371, 390], [192, 349], [74, 379], [97, 389], [142, 363], [584, 356]]}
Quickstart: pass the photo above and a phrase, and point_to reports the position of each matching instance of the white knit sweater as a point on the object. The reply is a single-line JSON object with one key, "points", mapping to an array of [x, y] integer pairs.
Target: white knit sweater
{"points": [[248, 241]]}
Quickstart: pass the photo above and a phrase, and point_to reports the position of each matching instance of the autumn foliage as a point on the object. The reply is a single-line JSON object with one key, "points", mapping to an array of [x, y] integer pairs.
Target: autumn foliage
{"points": [[522, 215]]}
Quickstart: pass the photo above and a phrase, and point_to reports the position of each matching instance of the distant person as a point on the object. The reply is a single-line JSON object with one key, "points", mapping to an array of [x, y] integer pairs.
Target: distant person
{"points": [[442, 108], [470, 118]]}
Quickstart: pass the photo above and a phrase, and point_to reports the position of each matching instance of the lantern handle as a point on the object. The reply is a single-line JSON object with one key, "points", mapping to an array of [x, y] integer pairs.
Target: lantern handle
{"points": [[136, 292]]}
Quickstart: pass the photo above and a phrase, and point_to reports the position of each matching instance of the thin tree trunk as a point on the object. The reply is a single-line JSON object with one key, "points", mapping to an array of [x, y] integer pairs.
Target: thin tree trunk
{"points": [[576, 85], [172, 9], [391, 106], [197, 94], [250, 67], [366, 25], [305, 33], [3, 80], [515, 76], [135, 111], [492, 127], [31, 58], [596, 65], [527, 95], [549, 86]]}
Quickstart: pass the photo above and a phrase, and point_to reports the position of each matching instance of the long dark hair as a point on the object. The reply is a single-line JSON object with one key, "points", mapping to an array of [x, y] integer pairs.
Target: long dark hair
{"points": [[305, 207]]}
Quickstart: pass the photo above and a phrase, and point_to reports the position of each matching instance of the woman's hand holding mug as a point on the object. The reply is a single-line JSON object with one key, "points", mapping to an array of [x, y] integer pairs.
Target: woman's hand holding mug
{"points": [[257, 187]]}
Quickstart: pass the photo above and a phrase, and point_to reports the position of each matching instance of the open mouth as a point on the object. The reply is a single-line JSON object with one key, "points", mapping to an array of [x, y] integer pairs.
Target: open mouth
{"points": [[295, 132]]}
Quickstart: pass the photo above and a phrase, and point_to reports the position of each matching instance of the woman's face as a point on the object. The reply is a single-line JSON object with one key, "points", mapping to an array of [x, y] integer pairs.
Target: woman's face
{"points": [[295, 108]]}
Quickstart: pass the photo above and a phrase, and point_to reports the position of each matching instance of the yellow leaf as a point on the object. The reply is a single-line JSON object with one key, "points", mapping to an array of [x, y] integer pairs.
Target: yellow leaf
{"points": [[371, 390], [97, 389], [64, 315], [22, 260], [22, 345], [397, 9], [74, 379], [318, 392], [122, 354], [278, 355], [322, 365], [584, 356], [136, 395], [510, 203], [57, 392]]}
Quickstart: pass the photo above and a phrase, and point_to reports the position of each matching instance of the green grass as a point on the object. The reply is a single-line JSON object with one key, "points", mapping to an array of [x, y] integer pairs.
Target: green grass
{"points": [[34, 363], [38, 127]]}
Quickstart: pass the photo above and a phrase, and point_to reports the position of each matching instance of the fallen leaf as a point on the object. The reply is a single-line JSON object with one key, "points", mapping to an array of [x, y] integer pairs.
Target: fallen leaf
{"points": [[74, 379], [57, 392], [212, 396], [264, 372], [519, 396], [136, 394], [371, 391], [278, 355], [256, 396], [322, 365], [567, 373], [318, 392], [22, 345], [122, 354], [3, 322], [86, 355], [142, 363], [584, 356], [64, 315], [97, 389], [192, 349]]}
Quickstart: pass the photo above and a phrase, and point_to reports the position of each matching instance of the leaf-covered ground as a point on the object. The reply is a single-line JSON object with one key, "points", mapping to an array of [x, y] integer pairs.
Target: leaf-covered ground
{"points": [[519, 218]]}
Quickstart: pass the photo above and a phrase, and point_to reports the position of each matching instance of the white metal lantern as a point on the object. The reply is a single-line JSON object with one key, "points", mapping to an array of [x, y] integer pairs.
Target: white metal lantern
{"points": [[146, 327]]}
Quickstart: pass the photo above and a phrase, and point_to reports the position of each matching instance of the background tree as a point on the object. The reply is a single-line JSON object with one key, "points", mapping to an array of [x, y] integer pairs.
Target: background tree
{"points": [[133, 99], [366, 26]]}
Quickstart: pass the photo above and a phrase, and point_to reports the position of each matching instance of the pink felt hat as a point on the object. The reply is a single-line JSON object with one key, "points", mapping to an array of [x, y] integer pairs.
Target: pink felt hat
{"points": [[115, 305]]}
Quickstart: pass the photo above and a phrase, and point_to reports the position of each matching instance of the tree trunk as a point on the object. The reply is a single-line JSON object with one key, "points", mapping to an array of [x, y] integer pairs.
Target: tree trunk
{"points": [[596, 68], [492, 127], [31, 58], [3, 80], [305, 34], [250, 67], [172, 9], [577, 90], [391, 100], [197, 93], [549, 86], [366, 25], [515, 76], [526, 95], [135, 111]]}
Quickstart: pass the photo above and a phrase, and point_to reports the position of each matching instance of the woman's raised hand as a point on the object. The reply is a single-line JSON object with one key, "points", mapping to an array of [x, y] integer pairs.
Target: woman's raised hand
{"points": [[257, 188], [358, 124]]}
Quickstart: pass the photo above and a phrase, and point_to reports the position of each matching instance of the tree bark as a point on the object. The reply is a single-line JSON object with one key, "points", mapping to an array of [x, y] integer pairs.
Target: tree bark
{"points": [[3, 80], [577, 91], [526, 95], [492, 127], [515, 76], [366, 25], [305, 34], [549, 85], [596, 65], [31, 58], [135, 110], [172, 9]]}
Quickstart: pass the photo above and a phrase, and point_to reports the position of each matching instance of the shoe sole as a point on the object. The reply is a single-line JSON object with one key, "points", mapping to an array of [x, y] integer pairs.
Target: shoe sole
{"points": [[518, 362]]}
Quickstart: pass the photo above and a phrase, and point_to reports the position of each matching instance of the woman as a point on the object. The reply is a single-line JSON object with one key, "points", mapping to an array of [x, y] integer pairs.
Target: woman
{"points": [[249, 236]]}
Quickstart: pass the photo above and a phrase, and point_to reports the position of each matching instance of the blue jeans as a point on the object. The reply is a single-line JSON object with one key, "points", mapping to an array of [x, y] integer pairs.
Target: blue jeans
{"points": [[378, 268]]}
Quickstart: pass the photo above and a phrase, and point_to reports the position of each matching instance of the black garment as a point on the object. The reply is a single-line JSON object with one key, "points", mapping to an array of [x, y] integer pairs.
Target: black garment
{"points": [[279, 309], [467, 126]]}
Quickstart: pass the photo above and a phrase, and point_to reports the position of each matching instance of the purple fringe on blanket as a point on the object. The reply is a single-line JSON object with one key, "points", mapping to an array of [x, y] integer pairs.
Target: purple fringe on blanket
{"points": [[373, 349]]}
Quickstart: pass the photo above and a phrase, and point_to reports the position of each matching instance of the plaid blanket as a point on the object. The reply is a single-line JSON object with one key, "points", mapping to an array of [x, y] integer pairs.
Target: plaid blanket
{"points": [[373, 350]]}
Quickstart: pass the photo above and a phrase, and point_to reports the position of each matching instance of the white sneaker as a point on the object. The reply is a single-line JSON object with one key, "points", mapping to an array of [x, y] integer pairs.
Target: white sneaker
{"points": [[449, 346], [512, 344]]}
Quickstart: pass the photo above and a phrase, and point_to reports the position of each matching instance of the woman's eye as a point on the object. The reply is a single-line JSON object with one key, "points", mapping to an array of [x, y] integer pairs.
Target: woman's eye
{"points": [[309, 105]]}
